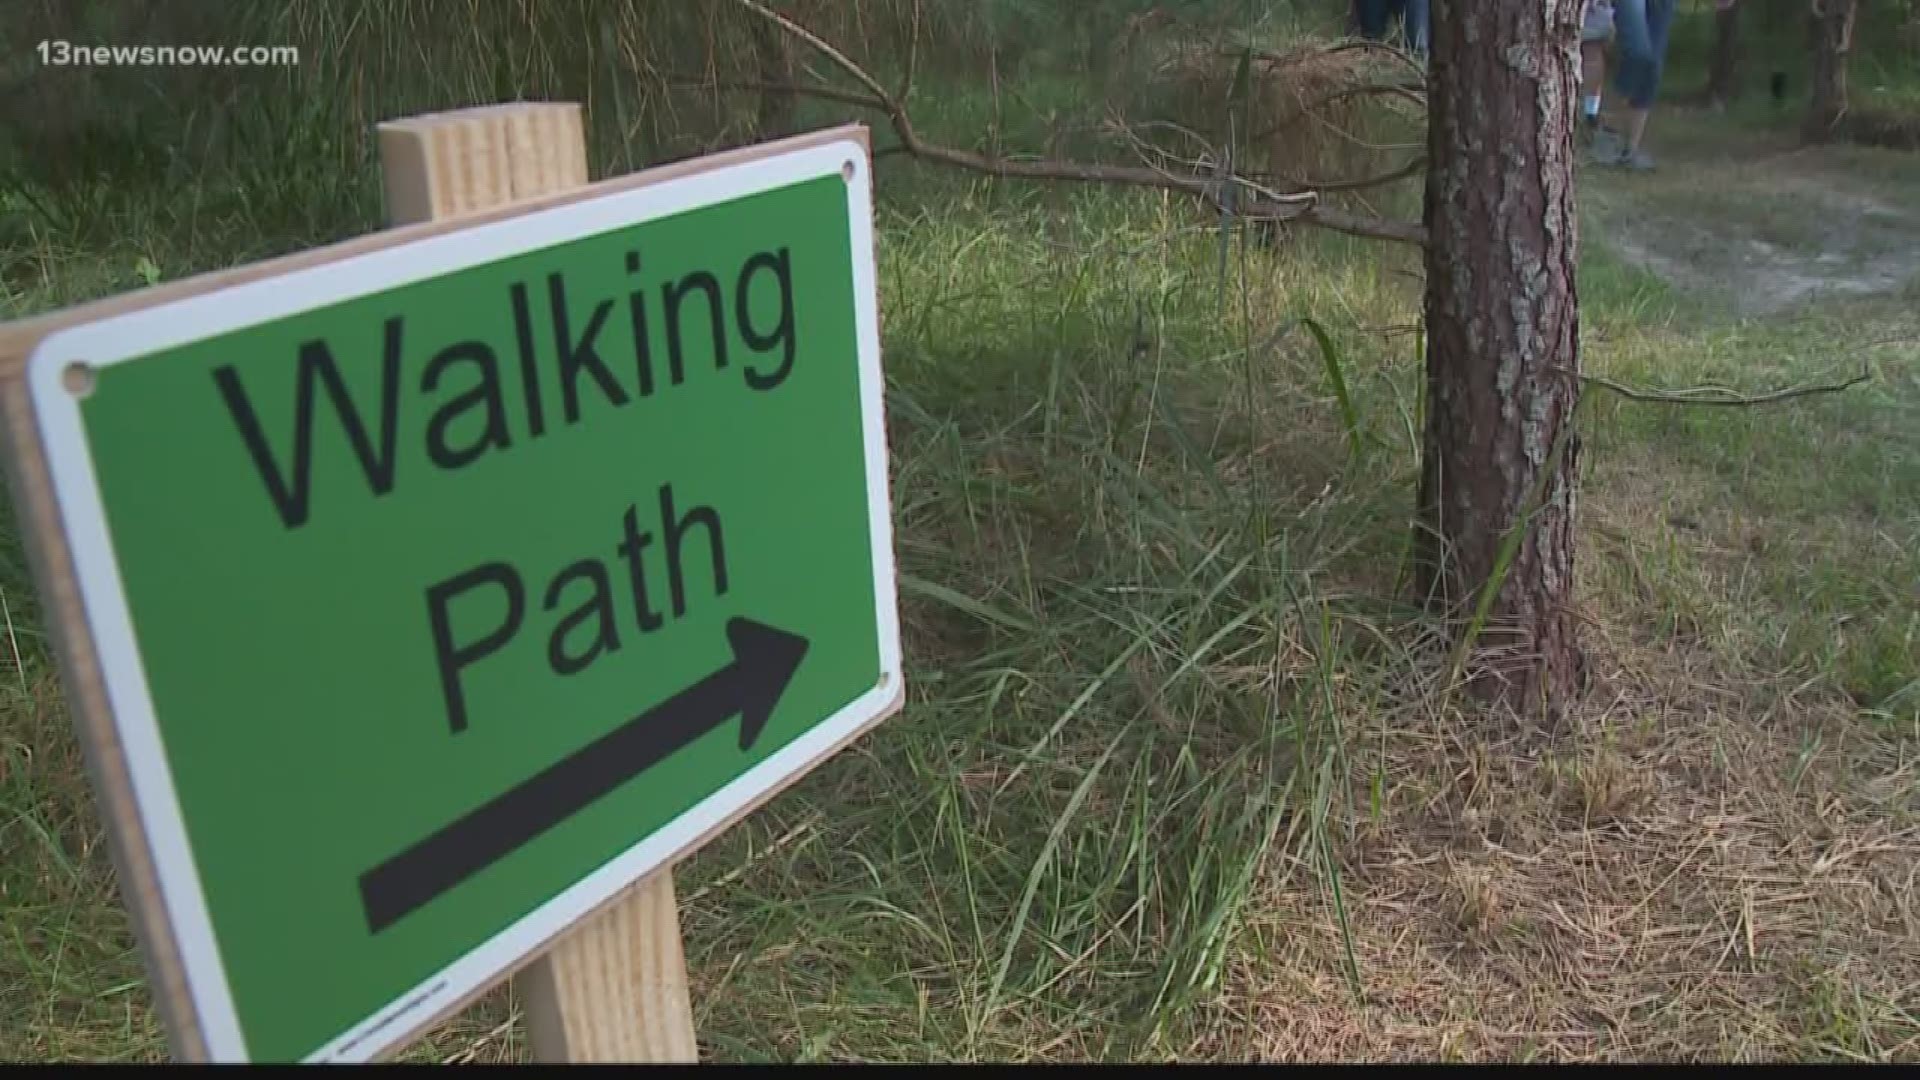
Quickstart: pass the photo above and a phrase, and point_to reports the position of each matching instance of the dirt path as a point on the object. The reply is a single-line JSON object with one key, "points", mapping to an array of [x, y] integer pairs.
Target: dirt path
{"points": [[1760, 227]]}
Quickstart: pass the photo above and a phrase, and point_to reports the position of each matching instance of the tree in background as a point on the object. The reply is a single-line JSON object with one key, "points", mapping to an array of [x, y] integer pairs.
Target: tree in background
{"points": [[1723, 64], [1832, 26], [1496, 499]]}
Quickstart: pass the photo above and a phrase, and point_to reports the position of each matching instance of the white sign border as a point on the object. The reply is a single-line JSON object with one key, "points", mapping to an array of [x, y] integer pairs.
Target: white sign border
{"points": [[117, 339]]}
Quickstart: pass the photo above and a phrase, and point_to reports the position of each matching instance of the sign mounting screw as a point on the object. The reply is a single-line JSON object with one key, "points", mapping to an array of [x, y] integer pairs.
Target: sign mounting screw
{"points": [[78, 378]]}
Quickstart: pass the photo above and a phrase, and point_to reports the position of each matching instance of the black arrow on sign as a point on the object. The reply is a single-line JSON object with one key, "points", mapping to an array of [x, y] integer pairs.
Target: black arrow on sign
{"points": [[764, 661]]}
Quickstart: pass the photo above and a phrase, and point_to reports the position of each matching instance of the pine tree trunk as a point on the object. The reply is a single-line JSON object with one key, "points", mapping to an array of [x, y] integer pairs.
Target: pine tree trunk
{"points": [[1832, 26], [1503, 346], [1722, 67]]}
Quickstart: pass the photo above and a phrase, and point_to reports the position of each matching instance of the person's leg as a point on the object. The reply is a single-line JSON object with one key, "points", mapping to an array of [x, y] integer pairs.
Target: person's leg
{"points": [[1596, 30], [1593, 76], [1636, 131], [1641, 27], [1659, 24]]}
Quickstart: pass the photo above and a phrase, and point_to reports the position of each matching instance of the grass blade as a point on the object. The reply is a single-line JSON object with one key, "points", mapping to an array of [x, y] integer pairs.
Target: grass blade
{"points": [[1039, 871], [960, 601], [1336, 376]]}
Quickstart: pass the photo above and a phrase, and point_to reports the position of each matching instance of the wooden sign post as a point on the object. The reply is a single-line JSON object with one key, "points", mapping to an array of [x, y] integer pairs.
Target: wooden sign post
{"points": [[615, 988], [422, 599]]}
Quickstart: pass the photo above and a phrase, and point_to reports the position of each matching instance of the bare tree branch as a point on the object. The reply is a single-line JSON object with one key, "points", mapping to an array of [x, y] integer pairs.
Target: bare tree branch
{"points": [[839, 58], [1204, 163], [1355, 183], [1152, 125], [1265, 204], [825, 93], [1365, 226], [1288, 59], [1313, 107], [1720, 395]]}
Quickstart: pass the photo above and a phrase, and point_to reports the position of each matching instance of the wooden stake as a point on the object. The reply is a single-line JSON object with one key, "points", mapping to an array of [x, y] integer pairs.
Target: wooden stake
{"points": [[614, 989]]}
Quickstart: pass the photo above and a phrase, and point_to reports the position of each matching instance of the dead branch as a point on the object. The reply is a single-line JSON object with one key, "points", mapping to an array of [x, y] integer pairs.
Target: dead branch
{"points": [[1362, 225], [1202, 164], [1314, 107], [1262, 202], [1129, 130], [1286, 59], [1413, 166], [1720, 395], [1205, 163]]}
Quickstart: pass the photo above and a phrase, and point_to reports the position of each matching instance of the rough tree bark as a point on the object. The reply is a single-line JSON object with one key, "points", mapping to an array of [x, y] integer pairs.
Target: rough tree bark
{"points": [[1503, 345], [1832, 25], [1723, 65]]}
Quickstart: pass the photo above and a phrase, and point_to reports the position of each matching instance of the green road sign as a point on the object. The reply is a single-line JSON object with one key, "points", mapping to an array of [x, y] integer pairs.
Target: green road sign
{"points": [[443, 590]]}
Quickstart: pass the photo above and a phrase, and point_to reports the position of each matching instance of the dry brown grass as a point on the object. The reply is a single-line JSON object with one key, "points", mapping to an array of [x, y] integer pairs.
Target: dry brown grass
{"points": [[1684, 875], [1884, 127], [1316, 116]]}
